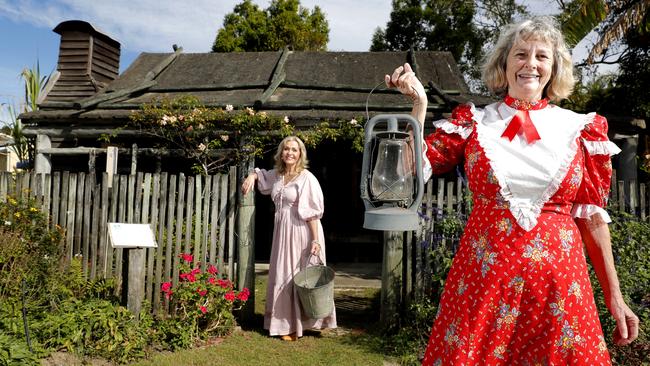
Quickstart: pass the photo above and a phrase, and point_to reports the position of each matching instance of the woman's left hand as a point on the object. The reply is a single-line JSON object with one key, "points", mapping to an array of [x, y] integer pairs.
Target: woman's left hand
{"points": [[627, 323], [315, 247]]}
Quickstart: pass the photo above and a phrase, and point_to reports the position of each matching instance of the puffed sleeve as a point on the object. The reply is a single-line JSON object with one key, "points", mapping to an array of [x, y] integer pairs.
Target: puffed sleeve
{"points": [[310, 202], [592, 195], [445, 147], [265, 180]]}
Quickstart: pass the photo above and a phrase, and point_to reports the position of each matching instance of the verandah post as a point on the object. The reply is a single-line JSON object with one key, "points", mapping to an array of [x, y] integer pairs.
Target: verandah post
{"points": [[246, 240]]}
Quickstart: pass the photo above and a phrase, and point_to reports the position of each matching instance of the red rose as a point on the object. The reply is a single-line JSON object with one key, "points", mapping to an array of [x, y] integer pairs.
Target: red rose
{"points": [[212, 269], [230, 296], [187, 257], [166, 286]]}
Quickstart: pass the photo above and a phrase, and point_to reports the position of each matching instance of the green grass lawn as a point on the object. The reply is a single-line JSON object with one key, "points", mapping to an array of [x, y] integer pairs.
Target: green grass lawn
{"points": [[353, 343]]}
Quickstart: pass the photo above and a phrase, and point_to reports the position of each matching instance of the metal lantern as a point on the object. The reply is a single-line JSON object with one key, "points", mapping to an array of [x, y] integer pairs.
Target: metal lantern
{"points": [[392, 182]]}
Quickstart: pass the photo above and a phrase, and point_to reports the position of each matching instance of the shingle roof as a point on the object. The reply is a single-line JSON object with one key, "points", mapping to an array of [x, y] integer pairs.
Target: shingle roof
{"points": [[305, 85]]}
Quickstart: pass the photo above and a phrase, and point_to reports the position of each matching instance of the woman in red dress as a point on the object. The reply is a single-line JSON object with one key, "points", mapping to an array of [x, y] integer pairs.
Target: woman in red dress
{"points": [[518, 292]]}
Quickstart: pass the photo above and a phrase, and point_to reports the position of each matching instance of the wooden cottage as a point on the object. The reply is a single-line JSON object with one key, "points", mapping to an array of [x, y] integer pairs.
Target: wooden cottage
{"points": [[86, 98]]}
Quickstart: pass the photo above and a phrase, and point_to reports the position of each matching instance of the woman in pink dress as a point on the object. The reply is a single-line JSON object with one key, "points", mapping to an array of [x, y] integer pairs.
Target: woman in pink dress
{"points": [[297, 234], [518, 292]]}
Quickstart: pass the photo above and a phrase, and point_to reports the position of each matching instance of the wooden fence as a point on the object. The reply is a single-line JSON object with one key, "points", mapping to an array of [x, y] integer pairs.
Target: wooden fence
{"points": [[188, 214]]}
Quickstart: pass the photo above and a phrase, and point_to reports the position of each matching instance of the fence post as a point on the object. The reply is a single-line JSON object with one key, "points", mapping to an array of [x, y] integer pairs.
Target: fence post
{"points": [[391, 278], [246, 242]]}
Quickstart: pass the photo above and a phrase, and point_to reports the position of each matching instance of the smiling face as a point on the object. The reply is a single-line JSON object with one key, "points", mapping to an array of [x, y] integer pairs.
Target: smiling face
{"points": [[528, 68], [290, 154]]}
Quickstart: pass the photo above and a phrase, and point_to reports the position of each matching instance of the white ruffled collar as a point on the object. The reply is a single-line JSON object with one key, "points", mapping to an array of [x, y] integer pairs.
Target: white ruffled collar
{"points": [[529, 174]]}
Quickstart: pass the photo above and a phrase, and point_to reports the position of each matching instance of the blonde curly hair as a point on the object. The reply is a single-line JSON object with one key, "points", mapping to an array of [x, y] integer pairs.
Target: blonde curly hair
{"points": [[542, 28]]}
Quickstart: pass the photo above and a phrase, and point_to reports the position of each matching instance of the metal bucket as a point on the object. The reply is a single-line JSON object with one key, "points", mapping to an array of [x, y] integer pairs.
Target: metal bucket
{"points": [[315, 287]]}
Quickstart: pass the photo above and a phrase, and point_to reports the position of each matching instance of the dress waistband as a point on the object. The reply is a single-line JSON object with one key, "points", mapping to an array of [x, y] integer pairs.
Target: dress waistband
{"points": [[559, 208]]}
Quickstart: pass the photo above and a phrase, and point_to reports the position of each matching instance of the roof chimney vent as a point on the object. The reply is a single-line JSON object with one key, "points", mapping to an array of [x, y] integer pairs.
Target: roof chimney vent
{"points": [[88, 61]]}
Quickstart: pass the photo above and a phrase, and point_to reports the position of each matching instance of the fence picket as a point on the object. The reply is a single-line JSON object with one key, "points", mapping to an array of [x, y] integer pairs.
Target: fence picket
{"points": [[223, 220], [198, 196], [642, 202], [79, 215], [158, 205], [105, 249], [214, 209], [88, 184], [70, 213], [232, 201], [207, 192], [180, 206], [171, 204]]}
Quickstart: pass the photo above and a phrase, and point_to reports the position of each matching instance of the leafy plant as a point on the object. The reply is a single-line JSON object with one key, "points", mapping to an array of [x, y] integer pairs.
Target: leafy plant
{"points": [[214, 138], [203, 303], [94, 327], [28, 248], [15, 353], [629, 246]]}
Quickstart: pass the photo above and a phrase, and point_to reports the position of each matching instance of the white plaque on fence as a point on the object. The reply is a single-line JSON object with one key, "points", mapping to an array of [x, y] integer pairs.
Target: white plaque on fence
{"points": [[131, 235]]}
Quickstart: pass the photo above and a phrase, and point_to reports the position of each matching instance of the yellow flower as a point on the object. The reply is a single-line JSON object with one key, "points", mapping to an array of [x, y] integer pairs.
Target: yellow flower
{"points": [[13, 201], [33, 209], [17, 214]]}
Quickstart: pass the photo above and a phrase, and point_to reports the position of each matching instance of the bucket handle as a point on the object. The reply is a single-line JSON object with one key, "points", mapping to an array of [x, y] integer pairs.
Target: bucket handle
{"points": [[320, 260]]}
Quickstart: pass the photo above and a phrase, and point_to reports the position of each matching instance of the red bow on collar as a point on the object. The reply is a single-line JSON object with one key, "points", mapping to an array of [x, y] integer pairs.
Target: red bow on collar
{"points": [[521, 121]]}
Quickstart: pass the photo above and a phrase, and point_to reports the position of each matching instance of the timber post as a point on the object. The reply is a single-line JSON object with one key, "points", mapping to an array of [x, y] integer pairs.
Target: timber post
{"points": [[391, 278], [42, 163], [246, 240]]}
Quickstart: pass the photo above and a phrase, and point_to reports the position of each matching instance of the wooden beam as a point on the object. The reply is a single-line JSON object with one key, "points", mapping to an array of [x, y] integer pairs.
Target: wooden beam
{"points": [[162, 65], [152, 151], [94, 100], [277, 77]]}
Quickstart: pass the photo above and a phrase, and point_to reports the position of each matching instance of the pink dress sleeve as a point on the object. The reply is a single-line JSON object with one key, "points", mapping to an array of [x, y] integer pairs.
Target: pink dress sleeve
{"points": [[311, 203], [594, 190], [446, 146], [265, 180]]}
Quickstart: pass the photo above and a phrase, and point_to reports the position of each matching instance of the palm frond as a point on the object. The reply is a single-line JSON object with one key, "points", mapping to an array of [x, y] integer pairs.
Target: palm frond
{"points": [[626, 21], [582, 19]]}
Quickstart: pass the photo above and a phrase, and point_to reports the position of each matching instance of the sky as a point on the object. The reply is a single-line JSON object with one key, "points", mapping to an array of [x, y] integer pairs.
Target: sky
{"points": [[155, 25]]}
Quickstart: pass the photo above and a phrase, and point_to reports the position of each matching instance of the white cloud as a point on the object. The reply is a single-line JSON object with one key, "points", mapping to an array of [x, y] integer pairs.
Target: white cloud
{"points": [[154, 25]]}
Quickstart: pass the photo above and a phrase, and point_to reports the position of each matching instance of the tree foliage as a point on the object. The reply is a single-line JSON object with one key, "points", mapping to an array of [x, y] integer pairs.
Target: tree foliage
{"points": [[283, 23], [612, 20], [460, 27]]}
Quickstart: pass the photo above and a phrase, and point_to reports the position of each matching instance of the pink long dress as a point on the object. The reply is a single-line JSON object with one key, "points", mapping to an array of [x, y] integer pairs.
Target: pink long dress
{"points": [[296, 202]]}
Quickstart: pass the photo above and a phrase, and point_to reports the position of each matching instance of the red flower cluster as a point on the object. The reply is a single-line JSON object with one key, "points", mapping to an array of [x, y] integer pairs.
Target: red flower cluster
{"points": [[199, 290], [230, 296], [188, 258], [243, 294], [166, 288], [224, 283]]}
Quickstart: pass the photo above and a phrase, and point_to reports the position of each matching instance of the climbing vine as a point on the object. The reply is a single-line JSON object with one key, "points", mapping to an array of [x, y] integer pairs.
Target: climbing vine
{"points": [[214, 138]]}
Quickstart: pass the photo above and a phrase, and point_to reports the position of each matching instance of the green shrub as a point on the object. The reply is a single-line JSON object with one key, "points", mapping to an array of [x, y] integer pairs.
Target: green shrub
{"points": [[15, 353], [93, 327], [631, 249], [29, 250]]}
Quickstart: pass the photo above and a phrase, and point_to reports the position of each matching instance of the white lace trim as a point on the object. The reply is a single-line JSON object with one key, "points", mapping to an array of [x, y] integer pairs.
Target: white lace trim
{"points": [[525, 212], [601, 147], [586, 211], [449, 127]]}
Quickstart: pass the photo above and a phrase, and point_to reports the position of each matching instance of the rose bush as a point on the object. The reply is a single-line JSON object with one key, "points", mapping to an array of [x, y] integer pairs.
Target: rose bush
{"points": [[203, 303]]}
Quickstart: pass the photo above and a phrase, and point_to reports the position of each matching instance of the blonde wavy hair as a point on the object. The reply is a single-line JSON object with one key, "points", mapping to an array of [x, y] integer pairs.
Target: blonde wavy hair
{"points": [[542, 28], [302, 163]]}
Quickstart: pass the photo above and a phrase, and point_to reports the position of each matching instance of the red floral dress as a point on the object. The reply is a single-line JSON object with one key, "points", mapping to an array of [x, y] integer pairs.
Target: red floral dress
{"points": [[518, 292]]}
